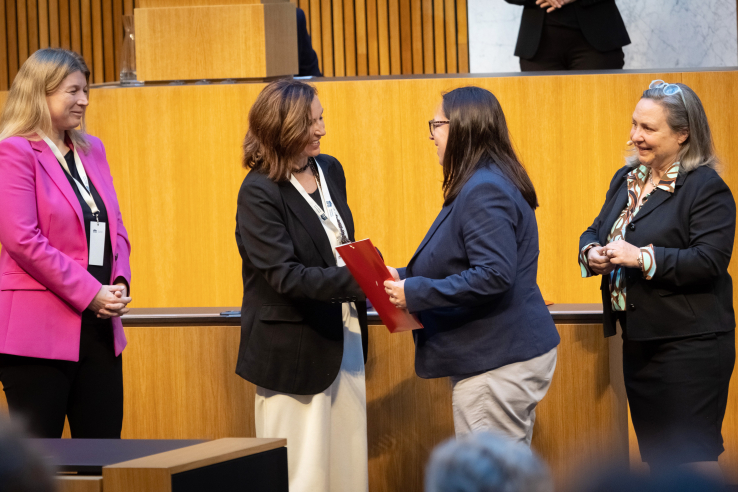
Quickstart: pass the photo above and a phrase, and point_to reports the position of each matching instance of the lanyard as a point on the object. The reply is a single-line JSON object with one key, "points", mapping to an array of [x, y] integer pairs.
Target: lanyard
{"points": [[84, 186], [329, 216]]}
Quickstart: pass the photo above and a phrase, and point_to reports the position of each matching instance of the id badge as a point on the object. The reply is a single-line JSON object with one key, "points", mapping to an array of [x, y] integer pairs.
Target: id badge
{"points": [[97, 243]]}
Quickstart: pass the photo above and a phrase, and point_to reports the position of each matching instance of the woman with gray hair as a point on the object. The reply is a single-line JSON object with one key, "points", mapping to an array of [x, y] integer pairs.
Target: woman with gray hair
{"points": [[662, 243]]}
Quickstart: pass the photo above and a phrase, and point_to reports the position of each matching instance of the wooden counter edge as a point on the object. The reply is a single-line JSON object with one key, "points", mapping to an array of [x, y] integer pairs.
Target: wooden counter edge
{"points": [[204, 454]]}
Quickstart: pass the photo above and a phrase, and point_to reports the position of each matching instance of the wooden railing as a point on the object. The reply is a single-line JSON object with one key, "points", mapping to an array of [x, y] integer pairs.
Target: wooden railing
{"points": [[351, 37]]}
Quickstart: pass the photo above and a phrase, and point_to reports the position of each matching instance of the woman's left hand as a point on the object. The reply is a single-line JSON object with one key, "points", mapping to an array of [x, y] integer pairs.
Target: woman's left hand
{"points": [[623, 254], [396, 292]]}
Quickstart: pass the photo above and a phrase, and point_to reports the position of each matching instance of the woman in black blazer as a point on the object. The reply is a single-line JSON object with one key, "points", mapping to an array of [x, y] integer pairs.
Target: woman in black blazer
{"points": [[662, 243], [472, 281], [570, 35], [303, 319]]}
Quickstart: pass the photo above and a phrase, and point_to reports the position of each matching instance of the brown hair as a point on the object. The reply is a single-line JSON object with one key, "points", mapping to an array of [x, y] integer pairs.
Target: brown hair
{"points": [[26, 111], [477, 136], [279, 128]]}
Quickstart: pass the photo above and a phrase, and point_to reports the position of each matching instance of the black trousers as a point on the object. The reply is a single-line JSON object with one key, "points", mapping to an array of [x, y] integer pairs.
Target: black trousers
{"points": [[42, 392], [562, 48]]}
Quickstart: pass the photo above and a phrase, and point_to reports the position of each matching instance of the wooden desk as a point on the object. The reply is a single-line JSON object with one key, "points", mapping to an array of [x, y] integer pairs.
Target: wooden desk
{"points": [[224, 465]]}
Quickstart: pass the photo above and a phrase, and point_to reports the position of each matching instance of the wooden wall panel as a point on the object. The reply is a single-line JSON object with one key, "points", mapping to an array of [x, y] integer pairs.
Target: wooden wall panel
{"points": [[4, 82], [79, 25], [389, 37], [65, 37], [12, 31], [33, 25], [43, 24], [75, 23], [22, 27]]}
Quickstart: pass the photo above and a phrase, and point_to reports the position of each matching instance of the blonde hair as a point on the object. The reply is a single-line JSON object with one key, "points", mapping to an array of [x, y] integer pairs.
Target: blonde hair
{"points": [[685, 115], [279, 128], [26, 111]]}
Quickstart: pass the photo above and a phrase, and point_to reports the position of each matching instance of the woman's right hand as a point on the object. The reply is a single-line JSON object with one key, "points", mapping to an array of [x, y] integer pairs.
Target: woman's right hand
{"points": [[598, 262], [393, 272], [110, 302]]}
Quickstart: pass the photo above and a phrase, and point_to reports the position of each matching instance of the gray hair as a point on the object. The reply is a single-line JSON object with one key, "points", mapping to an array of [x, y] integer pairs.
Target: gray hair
{"points": [[685, 115], [486, 462]]}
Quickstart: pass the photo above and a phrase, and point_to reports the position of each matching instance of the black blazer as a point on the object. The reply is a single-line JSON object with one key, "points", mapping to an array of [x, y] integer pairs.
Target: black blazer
{"points": [[291, 317], [692, 231], [599, 20], [472, 282]]}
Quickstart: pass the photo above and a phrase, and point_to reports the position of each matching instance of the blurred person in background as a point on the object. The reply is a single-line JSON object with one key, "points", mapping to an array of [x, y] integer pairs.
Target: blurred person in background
{"points": [[570, 35]]}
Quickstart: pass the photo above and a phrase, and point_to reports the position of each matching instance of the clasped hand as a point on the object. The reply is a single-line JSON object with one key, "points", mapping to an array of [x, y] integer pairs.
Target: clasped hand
{"points": [[111, 301], [551, 5], [604, 259]]}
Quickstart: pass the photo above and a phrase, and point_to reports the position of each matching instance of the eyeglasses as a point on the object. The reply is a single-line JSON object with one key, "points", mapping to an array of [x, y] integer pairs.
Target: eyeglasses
{"points": [[669, 89], [433, 124]]}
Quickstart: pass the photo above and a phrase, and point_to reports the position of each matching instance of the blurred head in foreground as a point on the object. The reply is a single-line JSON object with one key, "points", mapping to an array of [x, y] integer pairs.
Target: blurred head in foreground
{"points": [[21, 467], [485, 462]]}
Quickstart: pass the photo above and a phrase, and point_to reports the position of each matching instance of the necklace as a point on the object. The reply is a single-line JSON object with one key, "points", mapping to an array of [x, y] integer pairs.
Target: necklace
{"points": [[302, 169], [650, 178]]}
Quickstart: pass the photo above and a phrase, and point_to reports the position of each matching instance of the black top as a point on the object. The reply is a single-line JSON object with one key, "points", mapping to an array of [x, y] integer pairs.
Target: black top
{"points": [[565, 16], [315, 195], [101, 273]]}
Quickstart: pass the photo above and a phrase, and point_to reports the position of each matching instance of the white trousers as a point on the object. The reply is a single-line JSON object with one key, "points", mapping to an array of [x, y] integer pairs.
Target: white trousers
{"points": [[503, 400], [326, 433]]}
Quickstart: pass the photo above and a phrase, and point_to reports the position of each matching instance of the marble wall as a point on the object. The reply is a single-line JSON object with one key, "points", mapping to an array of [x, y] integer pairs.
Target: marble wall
{"points": [[665, 34]]}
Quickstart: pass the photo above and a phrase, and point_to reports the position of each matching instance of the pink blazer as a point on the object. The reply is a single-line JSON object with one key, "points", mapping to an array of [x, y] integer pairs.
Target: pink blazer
{"points": [[44, 283]]}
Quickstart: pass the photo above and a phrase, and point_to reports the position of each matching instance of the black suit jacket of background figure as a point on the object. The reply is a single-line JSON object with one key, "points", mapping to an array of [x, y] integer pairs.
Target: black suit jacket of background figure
{"points": [[291, 317], [692, 231], [599, 20], [307, 58]]}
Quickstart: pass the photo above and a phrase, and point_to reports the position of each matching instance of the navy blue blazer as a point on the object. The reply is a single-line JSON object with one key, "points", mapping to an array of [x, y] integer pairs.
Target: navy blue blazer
{"points": [[472, 282]]}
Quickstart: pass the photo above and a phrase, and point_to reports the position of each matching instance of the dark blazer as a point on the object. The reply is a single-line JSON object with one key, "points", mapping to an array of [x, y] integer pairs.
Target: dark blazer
{"points": [[692, 231], [472, 282], [291, 317], [599, 20]]}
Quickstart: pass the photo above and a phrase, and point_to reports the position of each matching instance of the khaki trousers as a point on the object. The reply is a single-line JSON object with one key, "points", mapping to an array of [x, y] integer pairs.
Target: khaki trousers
{"points": [[503, 400]]}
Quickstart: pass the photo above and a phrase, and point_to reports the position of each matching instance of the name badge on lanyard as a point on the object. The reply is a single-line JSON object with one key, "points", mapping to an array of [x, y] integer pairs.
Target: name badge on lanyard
{"points": [[97, 228], [332, 222]]}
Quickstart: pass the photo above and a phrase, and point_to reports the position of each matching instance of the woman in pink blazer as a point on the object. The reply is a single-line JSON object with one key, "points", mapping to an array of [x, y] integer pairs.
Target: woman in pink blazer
{"points": [[64, 269]]}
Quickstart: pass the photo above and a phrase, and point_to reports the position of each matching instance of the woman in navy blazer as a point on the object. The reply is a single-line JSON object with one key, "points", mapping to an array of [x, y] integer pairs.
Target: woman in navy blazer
{"points": [[472, 281]]}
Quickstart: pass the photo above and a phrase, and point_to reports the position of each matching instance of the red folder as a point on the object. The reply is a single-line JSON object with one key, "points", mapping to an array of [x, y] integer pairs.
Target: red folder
{"points": [[370, 272]]}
